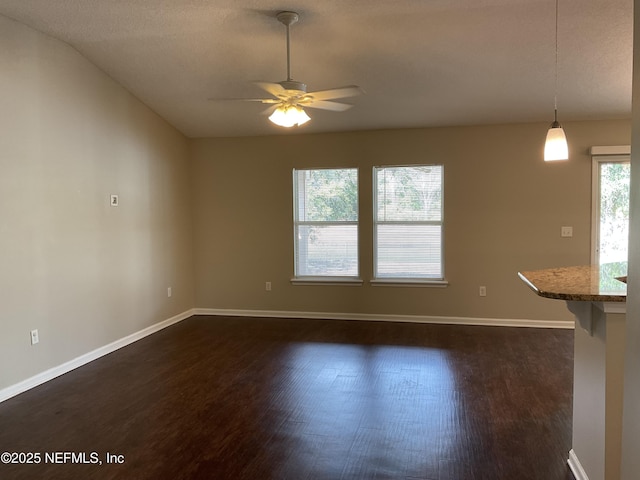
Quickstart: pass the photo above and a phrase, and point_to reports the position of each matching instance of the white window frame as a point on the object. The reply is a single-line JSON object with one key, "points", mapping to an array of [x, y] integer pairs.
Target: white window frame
{"points": [[407, 281], [354, 280], [599, 155]]}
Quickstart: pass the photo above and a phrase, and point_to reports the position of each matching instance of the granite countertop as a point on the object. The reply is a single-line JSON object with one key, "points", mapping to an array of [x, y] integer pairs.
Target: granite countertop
{"points": [[589, 283]]}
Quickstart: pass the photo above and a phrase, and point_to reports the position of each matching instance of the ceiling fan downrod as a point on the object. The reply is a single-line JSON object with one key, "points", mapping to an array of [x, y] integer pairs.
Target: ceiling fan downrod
{"points": [[288, 19]]}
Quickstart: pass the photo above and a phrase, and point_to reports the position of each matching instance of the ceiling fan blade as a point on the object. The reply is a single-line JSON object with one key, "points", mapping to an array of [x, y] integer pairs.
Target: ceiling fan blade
{"points": [[261, 100], [340, 92], [326, 105], [274, 89]]}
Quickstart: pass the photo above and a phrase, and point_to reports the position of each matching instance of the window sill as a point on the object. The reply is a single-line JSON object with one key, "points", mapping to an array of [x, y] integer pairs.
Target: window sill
{"points": [[348, 281], [408, 282]]}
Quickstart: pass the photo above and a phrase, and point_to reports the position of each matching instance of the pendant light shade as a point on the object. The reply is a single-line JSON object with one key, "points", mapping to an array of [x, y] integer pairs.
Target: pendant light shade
{"points": [[555, 147], [289, 116]]}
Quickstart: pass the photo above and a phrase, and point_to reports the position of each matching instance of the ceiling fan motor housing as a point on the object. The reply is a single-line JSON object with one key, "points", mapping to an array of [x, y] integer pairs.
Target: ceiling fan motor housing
{"points": [[294, 86]]}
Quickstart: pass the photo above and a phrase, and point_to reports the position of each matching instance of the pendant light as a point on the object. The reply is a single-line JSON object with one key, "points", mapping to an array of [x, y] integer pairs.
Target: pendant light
{"points": [[555, 147]]}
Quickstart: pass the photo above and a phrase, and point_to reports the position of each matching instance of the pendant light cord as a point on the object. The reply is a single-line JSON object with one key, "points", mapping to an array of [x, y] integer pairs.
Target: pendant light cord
{"points": [[555, 95]]}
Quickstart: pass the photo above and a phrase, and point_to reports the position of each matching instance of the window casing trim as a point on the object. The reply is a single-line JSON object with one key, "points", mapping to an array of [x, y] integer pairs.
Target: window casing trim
{"points": [[311, 280], [408, 282]]}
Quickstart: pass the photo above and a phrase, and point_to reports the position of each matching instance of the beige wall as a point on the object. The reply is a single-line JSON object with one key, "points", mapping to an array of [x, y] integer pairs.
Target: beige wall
{"points": [[81, 272], [503, 211]]}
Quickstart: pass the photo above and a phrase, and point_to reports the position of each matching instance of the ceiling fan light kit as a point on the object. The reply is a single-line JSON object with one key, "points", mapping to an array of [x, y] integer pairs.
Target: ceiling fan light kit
{"points": [[289, 116]]}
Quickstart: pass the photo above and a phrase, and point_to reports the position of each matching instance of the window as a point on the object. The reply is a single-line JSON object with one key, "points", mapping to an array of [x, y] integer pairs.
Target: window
{"points": [[326, 224], [610, 223], [408, 223]]}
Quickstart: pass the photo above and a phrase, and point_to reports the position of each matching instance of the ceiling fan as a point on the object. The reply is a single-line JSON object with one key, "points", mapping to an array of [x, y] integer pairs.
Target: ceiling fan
{"points": [[290, 96]]}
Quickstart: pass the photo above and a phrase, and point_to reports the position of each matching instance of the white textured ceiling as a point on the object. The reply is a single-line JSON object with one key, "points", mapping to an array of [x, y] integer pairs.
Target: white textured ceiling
{"points": [[422, 62]]}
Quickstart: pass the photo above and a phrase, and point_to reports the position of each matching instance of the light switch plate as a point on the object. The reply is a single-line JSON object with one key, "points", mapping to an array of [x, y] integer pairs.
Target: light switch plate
{"points": [[566, 232]]}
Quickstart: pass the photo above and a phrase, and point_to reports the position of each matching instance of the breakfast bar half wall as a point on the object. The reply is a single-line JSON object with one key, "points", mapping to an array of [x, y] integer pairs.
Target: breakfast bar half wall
{"points": [[596, 295]]}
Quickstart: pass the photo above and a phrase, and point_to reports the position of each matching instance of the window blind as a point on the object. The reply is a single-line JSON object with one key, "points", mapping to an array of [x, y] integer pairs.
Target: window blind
{"points": [[326, 222], [408, 222]]}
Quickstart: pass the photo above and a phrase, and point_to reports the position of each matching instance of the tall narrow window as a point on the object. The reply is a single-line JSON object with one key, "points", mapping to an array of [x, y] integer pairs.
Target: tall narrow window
{"points": [[326, 224], [408, 223], [610, 224]]}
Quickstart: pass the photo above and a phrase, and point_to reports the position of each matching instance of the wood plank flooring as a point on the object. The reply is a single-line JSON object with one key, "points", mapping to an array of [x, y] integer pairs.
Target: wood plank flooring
{"points": [[240, 398]]}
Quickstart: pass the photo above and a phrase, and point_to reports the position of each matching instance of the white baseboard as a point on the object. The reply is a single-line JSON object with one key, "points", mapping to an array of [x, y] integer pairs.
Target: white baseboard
{"points": [[494, 322], [54, 372], [576, 466]]}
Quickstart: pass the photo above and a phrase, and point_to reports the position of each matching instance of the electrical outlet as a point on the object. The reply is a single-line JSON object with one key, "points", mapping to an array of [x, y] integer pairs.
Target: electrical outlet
{"points": [[267, 286], [35, 338], [482, 291], [114, 200], [169, 293]]}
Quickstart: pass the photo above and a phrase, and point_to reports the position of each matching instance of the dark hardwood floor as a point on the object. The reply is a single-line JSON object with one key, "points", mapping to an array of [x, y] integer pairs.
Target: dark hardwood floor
{"points": [[239, 398]]}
